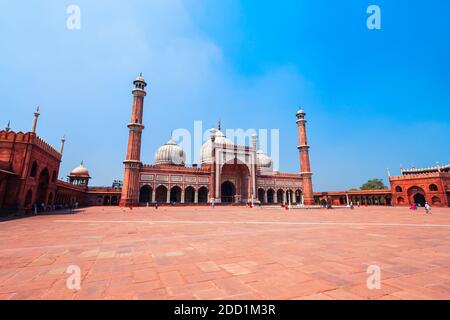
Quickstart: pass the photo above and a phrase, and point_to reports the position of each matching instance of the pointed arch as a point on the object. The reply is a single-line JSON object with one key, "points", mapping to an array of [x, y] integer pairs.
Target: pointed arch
{"points": [[161, 194], [145, 194], [203, 195], [175, 194], [189, 195]]}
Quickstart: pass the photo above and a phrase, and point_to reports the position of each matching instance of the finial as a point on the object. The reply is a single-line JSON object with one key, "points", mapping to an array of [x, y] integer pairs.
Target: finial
{"points": [[36, 116], [140, 74], [63, 140], [219, 126], [82, 163], [388, 172], [7, 126]]}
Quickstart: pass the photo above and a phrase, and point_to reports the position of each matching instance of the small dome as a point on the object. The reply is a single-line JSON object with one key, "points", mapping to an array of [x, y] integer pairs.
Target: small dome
{"points": [[171, 154], [300, 111], [263, 161], [206, 150], [80, 171]]}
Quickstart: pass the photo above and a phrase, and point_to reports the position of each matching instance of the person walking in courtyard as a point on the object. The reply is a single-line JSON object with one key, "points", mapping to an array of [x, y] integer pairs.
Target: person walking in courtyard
{"points": [[212, 203], [427, 208], [156, 205]]}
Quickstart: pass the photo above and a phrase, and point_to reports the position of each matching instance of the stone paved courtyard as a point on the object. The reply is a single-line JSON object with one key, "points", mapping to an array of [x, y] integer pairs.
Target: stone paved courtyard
{"points": [[227, 253]]}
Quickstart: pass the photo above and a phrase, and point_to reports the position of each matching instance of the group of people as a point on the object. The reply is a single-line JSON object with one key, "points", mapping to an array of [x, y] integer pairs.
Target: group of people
{"points": [[414, 206], [37, 208], [427, 207]]}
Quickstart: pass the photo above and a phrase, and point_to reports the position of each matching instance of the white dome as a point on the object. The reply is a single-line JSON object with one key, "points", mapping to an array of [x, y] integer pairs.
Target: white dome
{"points": [[263, 161], [171, 154], [80, 171], [205, 152]]}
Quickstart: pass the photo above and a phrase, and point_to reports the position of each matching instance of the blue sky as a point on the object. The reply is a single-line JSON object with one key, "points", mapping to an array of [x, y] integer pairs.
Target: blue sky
{"points": [[374, 98]]}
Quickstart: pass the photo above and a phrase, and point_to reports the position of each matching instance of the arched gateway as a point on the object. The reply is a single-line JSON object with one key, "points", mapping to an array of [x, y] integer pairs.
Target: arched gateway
{"points": [[228, 192], [235, 182], [419, 199], [416, 195]]}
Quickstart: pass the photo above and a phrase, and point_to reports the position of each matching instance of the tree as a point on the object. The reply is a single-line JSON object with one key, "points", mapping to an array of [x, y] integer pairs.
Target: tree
{"points": [[373, 184]]}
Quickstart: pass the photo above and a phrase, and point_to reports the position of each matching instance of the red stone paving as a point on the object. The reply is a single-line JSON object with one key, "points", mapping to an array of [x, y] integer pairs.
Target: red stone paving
{"points": [[227, 253]]}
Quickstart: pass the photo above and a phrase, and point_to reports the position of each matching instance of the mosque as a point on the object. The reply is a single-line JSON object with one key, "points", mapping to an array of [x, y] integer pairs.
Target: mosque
{"points": [[228, 174]]}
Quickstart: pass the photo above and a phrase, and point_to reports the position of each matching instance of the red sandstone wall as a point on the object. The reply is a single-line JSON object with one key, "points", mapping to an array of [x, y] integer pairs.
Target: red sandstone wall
{"points": [[20, 151], [423, 182]]}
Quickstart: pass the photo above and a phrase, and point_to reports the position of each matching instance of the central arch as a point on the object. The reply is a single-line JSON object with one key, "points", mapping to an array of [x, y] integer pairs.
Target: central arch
{"points": [[236, 182], [416, 195], [228, 192], [419, 199]]}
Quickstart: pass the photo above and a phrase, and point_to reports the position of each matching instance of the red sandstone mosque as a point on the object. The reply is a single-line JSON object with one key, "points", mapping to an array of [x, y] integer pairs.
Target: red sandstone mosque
{"points": [[228, 174]]}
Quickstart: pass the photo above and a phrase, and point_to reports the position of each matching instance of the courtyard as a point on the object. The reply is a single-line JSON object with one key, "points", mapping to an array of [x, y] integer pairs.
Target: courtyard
{"points": [[227, 253]]}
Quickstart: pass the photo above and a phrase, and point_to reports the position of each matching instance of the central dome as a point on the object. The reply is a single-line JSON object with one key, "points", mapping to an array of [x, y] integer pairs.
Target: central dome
{"points": [[263, 161], [171, 154], [205, 152]]}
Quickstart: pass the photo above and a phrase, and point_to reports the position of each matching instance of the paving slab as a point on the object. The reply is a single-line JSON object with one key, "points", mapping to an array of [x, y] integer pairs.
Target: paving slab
{"points": [[227, 253]]}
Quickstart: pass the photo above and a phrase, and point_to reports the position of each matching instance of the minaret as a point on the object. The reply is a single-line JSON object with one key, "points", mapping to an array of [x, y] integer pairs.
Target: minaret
{"points": [[130, 189], [305, 167], [36, 116]]}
